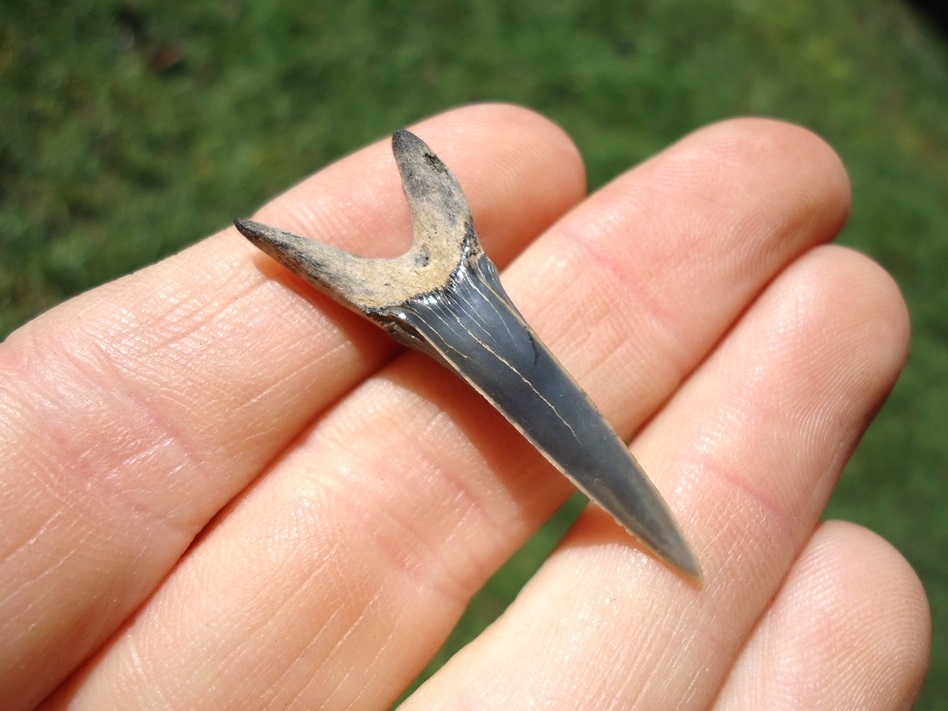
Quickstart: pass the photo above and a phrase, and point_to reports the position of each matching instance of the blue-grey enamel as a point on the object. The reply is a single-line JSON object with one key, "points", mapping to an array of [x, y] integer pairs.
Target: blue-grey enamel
{"points": [[444, 297]]}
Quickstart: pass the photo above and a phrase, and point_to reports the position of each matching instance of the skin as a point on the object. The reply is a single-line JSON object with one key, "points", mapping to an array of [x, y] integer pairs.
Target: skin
{"points": [[222, 490]]}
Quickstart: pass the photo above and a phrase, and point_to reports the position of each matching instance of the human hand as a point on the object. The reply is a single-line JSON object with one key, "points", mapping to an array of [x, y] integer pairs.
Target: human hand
{"points": [[221, 490]]}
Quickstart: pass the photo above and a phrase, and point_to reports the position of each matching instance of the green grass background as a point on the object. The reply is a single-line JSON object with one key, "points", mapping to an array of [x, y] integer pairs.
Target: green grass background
{"points": [[128, 130]]}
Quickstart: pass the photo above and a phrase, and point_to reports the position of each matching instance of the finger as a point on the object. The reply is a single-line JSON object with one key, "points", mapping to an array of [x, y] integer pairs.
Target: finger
{"points": [[133, 413], [748, 451], [850, 629], [352, 559]]}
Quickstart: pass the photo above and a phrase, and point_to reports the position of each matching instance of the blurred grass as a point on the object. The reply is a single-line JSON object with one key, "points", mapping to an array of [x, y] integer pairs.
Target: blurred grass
{"points": [[130, 129]]}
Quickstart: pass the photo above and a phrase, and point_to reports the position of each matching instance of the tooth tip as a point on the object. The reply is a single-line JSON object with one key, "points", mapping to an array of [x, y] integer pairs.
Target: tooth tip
{"points": [[689, 566], [678, 554], [662, 537]]}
